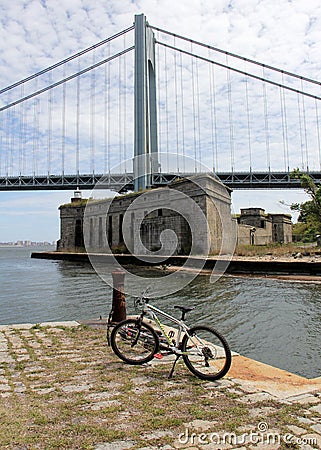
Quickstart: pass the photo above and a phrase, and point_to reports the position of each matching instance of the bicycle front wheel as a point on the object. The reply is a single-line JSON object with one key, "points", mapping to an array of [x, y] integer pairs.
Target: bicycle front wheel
{"points": [[134, 342], [206, 353]]}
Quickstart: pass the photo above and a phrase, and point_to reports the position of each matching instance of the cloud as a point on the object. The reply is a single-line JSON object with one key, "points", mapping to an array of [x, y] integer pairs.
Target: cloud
{"points": [[35, 34]]}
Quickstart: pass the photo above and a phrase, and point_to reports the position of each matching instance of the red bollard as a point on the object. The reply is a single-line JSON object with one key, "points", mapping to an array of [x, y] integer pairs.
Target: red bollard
{"points": [[119, 300]]}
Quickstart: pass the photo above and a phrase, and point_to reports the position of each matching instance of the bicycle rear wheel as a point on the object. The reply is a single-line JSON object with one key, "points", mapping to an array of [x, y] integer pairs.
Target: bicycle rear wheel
{"points": [[134, 342], [206, 353]]}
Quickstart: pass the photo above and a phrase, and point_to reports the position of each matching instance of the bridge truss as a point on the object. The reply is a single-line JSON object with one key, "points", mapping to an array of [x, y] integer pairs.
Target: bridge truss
{"points": [[124, 182]]}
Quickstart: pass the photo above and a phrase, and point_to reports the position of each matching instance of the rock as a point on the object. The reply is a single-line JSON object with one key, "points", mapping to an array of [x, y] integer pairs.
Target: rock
{"points": [[297, 430], [316, 409], [116, 445]]}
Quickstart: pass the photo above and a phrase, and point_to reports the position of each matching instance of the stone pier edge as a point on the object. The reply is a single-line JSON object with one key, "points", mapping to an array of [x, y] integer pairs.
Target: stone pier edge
{"points": [[237, 266], [245, 371]]}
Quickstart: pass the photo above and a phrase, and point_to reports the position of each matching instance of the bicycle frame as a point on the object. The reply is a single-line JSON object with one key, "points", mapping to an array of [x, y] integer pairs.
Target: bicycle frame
{"points": [[182, 327]]}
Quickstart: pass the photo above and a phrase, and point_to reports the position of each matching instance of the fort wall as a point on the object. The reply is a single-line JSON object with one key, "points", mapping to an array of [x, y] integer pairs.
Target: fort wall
{"points": [[188, 216]]}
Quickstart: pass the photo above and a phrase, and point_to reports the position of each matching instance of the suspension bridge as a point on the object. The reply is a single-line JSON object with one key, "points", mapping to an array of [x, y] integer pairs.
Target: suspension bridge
{"points": [[146, 106]]}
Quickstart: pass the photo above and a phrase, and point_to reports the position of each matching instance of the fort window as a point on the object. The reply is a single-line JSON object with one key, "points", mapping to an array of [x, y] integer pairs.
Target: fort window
{"points": [[91, 232], [160, 213], [132, 219], [110, 230], [79, 237], [275, 233], [121, 238], [100, 232]]}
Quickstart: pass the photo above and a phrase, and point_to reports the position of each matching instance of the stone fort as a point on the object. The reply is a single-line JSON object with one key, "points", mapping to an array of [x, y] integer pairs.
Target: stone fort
{"points": [[191, 215]]}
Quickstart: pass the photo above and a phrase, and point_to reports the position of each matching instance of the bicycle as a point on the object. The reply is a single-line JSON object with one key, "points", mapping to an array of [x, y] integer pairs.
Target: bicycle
{"points": [[204, 350]]}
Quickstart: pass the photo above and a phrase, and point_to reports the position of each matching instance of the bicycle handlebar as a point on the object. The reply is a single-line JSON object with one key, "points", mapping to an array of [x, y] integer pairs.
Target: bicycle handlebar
{"points": [[140, 301]]}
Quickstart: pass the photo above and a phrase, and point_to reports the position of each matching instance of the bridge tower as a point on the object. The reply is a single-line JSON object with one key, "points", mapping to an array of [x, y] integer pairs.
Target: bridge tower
{"points": [[145, 134]]}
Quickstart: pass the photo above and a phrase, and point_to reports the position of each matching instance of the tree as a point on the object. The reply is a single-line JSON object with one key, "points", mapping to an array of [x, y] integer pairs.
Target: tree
{"points": [[309, 220]]}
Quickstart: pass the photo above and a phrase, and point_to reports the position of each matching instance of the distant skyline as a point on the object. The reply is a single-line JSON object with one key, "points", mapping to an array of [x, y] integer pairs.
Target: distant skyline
{"points": [[37, 33]]}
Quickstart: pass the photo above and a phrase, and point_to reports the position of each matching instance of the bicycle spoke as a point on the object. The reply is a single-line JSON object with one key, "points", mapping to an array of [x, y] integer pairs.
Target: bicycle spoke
{"points": [[206, 353], [134, 343]]}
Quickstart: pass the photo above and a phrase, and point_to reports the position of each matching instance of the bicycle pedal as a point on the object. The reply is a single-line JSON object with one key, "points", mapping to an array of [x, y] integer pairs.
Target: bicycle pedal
{"points": [[158, 356]]}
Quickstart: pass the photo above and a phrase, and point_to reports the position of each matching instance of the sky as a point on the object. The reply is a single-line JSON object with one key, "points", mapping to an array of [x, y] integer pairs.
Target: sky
{"points": [[37, 33]]}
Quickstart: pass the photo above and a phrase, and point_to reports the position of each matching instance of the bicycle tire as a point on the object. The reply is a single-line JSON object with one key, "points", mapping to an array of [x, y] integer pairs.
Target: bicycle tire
{"points": [[134, 342], [206, 353]]}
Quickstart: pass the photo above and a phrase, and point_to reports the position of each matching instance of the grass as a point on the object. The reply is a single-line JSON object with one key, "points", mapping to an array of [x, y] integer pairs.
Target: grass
{"points": [[274, 249], [140, 400]]}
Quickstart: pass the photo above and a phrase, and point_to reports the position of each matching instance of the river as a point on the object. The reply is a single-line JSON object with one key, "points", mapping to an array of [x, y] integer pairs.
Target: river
{"points": [[273, 321]]}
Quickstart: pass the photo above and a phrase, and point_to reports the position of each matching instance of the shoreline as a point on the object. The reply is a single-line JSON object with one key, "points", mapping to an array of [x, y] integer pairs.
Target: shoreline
{"points": [[304, 269]]}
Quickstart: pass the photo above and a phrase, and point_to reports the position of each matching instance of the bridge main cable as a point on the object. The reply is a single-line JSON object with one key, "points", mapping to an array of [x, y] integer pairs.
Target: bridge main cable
{"points": [[234, 55], [242, 72], [64, 61], [64, 80]]}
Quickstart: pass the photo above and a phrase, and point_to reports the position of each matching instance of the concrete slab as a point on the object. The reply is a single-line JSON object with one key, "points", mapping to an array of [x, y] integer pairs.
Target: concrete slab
{"points": [[277, 382], [28, 326], [67, 324]]}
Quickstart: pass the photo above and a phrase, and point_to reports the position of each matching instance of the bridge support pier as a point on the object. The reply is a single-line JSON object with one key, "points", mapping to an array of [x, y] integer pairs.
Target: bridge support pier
{"points": [[145, 145]]}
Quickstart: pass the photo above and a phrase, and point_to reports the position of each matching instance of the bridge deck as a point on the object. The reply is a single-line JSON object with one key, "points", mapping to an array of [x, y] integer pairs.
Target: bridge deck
{"points": [[124, 182]]}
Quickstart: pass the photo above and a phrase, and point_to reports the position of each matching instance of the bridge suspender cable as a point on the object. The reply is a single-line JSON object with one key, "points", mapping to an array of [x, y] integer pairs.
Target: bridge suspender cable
{"points": [[212, 116], [318, 131], [198, 116], [34, 134], [92, 118], [125, 108], [301, 135], [1, 146], [21, 130], [49, 136], [194, 112], [120, 140], [158, 78], [266, 123], [166, 107], [305, 130], [176, 109], [105, 117], [182, 111], [78, 124], [109, 113], [283, 128], [12, 115], [248, 120], [63, 126], [230, 112]]}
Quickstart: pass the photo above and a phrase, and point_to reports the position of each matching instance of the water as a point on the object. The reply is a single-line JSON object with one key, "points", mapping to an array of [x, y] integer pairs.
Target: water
{"points": [[272, 321]]}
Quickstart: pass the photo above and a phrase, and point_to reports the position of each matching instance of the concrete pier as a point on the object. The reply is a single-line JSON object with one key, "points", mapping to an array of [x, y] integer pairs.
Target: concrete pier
{"points": [[62, 387], [236, 265]]}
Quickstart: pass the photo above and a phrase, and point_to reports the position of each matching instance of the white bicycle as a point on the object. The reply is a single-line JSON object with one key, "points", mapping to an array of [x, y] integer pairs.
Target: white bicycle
{"points": [[203, 349]]}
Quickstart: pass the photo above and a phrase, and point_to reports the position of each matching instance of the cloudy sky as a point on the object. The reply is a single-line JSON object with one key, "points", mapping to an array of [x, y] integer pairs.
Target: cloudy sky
{"points": [[38, 33]]}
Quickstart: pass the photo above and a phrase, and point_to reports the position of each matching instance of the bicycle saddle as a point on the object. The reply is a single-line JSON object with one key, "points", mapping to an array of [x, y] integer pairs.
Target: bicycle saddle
{"points": [[184, 309]]}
